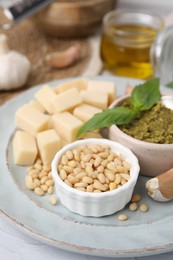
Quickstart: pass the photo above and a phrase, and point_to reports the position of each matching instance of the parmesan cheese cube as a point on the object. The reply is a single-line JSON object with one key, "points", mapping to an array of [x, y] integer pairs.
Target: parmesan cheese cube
{"points": [[85, 112], [66, 125], [24, 148], [103, 86], [49, 144], [36, 105], [79, 84], [31, 120], [95, 98], [66, 100], [44, 96]]}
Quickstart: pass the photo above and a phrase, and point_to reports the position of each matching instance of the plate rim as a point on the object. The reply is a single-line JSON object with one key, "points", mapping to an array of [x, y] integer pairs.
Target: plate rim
{"points": [[74, 248]]}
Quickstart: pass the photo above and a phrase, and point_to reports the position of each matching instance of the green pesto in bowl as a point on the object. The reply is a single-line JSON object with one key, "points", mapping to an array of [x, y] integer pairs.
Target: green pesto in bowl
{"points": [[154, 125]]}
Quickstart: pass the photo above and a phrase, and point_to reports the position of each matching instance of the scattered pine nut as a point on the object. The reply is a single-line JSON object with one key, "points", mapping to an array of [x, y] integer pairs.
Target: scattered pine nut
{"points": [[53, 200], [136, 197], [123, 217], [143, 208], [133, 206]]}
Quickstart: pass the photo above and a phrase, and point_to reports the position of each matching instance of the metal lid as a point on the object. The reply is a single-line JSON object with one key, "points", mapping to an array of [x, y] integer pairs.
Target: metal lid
{"points": [[162, 55]]}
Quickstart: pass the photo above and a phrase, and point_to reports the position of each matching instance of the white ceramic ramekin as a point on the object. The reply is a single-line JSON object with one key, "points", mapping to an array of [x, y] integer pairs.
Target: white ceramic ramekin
{"points": [[96, 204]]}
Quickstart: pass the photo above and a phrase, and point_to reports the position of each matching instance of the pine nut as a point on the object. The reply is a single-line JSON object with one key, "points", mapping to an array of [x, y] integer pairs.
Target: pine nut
{"points": [[50, 174], [112, 185], [104, 163], [112, 167], [117, 178], [90, 188], [69, 155], [68, 169], [30, 185], [80, 185], [38, 166], [39, 191], [104, 155], [122, 217], [53, 200], [100, 169], [63, 174], [77, 170], [97, 161], [101, 178], [87, 157], [109, 175], [123, 181], [97, 185], [73, 179], [37, 182], [87, 180], [64, 160], [143, 208], [68, 182], [44, 179], [135, 198], [125, 176], [50, 190], [81, 175], [44, 187], [49, 182], [72, 164], [127, 165], [133, 206]]}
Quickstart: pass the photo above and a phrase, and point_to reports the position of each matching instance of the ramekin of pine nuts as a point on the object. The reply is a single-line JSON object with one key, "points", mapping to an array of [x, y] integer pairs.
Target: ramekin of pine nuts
{"points": [[95, 177]]}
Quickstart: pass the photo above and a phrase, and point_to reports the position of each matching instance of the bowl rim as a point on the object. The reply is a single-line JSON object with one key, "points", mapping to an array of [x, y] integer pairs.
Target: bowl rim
{"points": [[108, 194], [132, 139]]}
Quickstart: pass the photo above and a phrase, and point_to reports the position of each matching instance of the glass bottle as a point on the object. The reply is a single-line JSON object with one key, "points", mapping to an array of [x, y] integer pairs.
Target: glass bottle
{"points": [[126, 42]]}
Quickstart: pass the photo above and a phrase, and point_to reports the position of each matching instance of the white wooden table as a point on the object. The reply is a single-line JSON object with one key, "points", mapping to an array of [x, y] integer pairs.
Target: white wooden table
{"points": [[15, 245]]}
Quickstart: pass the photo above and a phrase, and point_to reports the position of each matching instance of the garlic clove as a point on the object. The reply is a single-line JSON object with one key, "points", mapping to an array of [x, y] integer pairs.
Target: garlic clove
{"points": [[14, 70], [160, 188], [64, 58]]}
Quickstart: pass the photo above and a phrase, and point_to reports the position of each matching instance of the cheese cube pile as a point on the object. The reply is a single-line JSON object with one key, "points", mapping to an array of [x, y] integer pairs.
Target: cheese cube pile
{"points": [[54, 118]]}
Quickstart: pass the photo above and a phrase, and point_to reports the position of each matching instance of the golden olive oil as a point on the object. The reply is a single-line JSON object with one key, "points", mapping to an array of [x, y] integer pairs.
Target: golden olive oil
{"points": [[125, 50]]}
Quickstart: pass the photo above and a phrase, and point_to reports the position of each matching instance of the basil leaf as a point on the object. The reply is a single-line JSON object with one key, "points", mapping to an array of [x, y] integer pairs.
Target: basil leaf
{"points": [[144, 96], [117, 115], [170, 84]]}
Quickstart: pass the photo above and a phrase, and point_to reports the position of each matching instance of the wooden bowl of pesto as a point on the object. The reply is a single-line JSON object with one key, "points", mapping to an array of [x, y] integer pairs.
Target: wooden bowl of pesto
{"points": [[150, 137]]}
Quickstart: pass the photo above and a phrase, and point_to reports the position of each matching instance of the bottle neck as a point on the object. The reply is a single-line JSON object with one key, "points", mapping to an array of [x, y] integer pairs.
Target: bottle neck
{"points": [[161, 55]]}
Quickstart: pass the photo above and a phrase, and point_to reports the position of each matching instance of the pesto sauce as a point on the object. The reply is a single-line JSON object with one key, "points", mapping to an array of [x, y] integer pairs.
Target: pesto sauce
{"points": [[154, 125]]}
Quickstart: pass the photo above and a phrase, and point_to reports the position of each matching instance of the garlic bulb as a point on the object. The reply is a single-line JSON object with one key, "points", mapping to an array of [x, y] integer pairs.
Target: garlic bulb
{"points": [[14, 67]]}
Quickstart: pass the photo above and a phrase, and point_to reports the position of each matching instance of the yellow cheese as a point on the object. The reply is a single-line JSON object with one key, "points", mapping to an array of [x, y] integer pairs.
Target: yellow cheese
{"points": [[66, 125], [66, 100], [24, 148], [36, 105], [95, 98], [85, 112], [103, 86], [49, 144], [31, 120], [44, 97], [79, 84]]}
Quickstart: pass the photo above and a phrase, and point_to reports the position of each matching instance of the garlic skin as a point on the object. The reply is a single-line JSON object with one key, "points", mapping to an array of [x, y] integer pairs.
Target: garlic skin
{"points": [[14, 67], [152, 187]]}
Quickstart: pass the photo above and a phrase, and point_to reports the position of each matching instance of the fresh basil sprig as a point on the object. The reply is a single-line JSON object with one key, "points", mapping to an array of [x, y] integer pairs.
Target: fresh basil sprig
{"points": [[143, 97]]}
